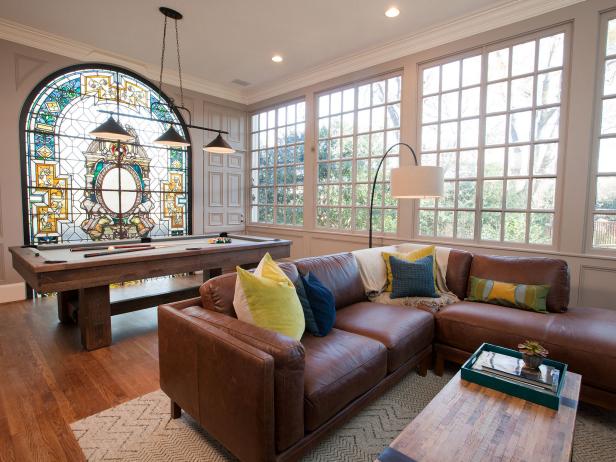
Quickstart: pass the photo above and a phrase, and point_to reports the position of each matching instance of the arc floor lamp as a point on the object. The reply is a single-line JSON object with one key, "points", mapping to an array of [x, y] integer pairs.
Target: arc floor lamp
{"points": [[412, 182]]}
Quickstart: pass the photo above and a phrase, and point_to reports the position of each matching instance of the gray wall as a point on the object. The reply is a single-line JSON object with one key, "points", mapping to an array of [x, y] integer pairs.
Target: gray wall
{"points": [[21, 70]]}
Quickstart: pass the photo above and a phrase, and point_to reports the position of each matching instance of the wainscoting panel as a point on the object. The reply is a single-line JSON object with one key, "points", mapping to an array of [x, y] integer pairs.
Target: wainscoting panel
{"points": [[3, 252], [597, 285]]}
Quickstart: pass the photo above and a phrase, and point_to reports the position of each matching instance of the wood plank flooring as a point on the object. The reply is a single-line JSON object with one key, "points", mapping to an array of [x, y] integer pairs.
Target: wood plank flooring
{"points": [[47, 381]]}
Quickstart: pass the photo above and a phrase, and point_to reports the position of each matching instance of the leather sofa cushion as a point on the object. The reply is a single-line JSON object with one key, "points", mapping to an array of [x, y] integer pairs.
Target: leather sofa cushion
{"points": [[582, 337], [217, 293], [458, 267], [339, 273], [288, 357], [527, 270], [339, 368], [404, 331]]}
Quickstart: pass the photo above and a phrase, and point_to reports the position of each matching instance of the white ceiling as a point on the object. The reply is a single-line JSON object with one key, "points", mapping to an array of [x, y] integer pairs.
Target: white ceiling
{"points": [[223, 40]]}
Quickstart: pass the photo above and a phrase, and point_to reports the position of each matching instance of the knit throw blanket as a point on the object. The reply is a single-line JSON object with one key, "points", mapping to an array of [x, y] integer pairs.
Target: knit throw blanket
{"points": [[374, 277]]}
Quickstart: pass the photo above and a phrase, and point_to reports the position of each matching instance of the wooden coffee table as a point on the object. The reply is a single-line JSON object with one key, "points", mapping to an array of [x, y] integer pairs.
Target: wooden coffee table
{"points": [[469, 422]]}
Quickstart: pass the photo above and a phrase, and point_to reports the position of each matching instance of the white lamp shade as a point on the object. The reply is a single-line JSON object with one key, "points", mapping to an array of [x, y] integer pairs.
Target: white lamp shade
{"points": [[417, 182]]}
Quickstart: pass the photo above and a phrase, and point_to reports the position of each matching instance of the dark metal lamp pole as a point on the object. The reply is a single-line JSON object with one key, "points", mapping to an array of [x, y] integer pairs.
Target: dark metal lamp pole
{"points": [[375, 181]]}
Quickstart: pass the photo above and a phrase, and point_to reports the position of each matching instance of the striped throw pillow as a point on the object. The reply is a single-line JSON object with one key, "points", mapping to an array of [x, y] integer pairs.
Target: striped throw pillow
{"points": [[524, 296]]}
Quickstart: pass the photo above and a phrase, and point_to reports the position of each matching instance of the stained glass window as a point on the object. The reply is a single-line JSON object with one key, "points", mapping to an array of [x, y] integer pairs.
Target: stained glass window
{"points": [[78, 188]]}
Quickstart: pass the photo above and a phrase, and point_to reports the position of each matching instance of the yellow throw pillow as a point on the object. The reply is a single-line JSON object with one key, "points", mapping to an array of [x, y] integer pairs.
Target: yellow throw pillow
{"points": [[268, 299], [411, 256]]}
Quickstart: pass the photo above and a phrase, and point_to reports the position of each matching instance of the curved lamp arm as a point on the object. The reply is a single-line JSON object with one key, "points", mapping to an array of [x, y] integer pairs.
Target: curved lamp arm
{"points": [[376, 175]]}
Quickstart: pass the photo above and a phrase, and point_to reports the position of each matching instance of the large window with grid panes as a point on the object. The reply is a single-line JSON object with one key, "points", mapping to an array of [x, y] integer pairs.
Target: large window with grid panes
{"points": [[277, 165], [604, 191], [492, 119], [355, 125]]}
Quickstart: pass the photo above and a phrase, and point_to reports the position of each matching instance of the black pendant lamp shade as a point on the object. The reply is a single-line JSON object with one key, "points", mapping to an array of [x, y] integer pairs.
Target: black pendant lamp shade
{"points": [[111, 130], [219, 146], [171, 139]]}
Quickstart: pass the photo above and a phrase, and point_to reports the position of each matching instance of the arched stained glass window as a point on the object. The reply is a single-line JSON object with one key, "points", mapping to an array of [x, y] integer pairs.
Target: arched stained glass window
{"points": [[77, 188]]}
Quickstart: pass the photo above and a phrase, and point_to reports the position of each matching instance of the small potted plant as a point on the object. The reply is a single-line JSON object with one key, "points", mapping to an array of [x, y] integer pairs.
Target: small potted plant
{"points": [[532, 353]]}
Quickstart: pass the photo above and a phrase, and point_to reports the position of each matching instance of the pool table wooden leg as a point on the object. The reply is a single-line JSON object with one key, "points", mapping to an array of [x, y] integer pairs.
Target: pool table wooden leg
{"points": [[67, 302], [211, 273], [95, 317]]}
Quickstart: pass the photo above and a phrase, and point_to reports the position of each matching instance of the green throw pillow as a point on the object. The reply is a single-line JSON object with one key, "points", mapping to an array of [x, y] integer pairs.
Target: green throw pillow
{"points": [[524, 296]]}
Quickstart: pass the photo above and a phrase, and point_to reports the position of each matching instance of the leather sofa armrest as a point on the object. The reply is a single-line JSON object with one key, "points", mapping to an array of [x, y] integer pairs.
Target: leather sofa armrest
{"points": [[289, 362], [183, 304], [223, 382]]}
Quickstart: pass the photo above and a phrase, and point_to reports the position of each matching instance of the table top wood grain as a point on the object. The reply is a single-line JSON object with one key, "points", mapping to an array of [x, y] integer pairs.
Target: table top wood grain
{"points": [[469, 422]]}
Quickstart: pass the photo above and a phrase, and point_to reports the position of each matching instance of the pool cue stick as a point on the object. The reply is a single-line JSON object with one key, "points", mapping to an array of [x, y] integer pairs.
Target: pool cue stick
{"points": [[115, 252], [102, 247]]}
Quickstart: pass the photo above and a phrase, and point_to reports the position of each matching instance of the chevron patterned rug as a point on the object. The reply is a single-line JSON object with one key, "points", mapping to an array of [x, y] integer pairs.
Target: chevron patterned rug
{"points": [[141, 430]]}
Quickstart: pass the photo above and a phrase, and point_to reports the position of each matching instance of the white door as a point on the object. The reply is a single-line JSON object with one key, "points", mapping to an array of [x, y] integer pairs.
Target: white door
{"points": [[224, 173]]}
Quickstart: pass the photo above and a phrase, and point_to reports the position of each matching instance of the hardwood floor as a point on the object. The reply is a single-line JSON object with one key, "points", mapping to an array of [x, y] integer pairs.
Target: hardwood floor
{"points": [[47, 381]]}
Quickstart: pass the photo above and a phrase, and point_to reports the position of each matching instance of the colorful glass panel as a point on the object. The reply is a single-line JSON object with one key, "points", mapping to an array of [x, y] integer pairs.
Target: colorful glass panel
{"points": [[78, 188]]}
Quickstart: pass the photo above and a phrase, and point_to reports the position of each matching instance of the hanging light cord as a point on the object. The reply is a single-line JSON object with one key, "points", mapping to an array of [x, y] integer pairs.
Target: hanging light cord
{"points": [[177, 44], [162, 57]]}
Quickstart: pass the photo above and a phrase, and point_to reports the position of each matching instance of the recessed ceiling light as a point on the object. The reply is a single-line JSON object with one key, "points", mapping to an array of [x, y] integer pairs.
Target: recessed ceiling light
{"points": [[392, 12], [277, 58]]}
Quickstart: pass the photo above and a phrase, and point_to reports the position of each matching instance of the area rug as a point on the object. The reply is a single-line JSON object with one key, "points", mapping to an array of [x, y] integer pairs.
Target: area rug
{"points": [[141, 429]]}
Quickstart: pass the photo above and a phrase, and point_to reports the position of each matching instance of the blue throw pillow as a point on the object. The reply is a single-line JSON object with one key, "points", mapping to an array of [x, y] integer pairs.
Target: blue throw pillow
{"points": [[311, 324], [413, 278], [322, 305]]}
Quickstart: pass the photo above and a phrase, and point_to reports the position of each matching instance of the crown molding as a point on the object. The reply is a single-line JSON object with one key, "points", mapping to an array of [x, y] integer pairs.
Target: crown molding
{"points": [[52, 43], [500, 15]]}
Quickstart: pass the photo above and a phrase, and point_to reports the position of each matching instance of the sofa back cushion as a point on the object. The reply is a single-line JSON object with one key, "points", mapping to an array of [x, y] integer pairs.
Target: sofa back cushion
{"points": [[339, 273], [217, 293], [458, 267], [527, 270]]}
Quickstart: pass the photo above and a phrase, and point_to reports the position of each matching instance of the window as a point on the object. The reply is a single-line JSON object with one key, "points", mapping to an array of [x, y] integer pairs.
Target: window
{"points": [[78, 188], [491, 119], [356, 124], [277, 174], [604, 210]]}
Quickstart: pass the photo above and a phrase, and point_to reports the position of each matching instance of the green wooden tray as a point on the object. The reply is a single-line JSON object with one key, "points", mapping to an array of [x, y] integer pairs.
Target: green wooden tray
{"points": [[513, 389]]}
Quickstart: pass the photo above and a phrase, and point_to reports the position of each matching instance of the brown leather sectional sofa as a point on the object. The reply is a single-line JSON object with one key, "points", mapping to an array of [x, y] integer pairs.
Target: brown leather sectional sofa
{"points": [[267, 397]]}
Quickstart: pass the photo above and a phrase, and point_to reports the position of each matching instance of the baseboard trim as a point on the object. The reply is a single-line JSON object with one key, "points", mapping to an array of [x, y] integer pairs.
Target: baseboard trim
{"points": [[12, 292]]}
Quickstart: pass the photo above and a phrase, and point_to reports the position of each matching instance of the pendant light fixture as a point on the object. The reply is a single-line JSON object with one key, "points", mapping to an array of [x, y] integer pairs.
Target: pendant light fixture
{"points": [[171, 138], [219, 146], [111, 130]]}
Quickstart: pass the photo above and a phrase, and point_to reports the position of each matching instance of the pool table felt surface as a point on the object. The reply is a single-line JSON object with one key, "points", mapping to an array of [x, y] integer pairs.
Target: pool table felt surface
{"points": [[62, 256]]}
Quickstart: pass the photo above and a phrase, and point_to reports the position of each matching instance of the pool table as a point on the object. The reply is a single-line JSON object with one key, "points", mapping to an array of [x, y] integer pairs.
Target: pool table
{"points": [[81, 272]]}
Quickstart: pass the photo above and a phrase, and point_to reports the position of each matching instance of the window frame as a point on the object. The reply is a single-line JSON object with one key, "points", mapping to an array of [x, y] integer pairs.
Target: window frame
{"points": [[250, 168], [483, 51], [355, 84], [604, 18]]}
